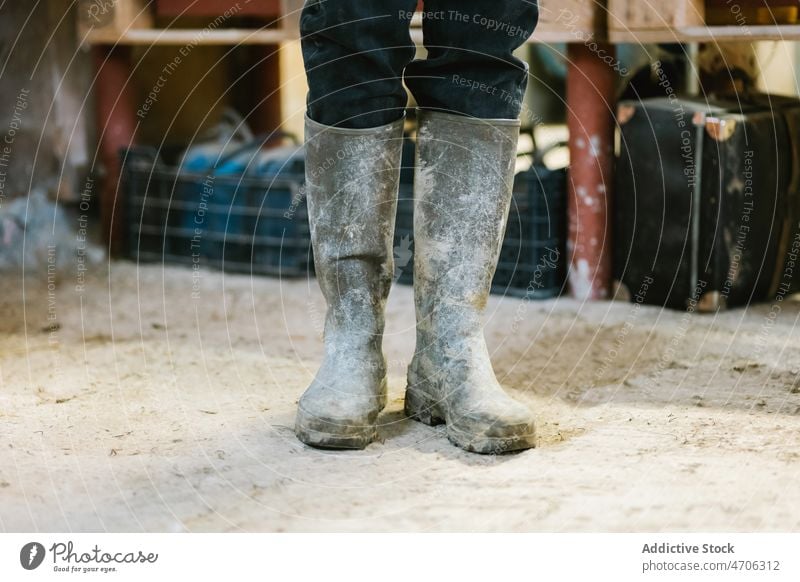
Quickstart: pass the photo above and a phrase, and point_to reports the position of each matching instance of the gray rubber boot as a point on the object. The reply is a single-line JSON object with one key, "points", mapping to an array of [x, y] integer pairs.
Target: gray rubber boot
{"points": [[351, 182], [462, 193]]}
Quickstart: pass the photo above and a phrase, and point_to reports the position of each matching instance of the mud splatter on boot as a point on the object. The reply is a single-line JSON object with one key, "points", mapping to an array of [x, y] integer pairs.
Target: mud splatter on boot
{"points": [[351, 180], [462, 191]]}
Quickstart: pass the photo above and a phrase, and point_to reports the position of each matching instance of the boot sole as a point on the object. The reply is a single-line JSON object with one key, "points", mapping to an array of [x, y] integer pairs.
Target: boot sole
{"points": [[425, 409], [336, 441]]}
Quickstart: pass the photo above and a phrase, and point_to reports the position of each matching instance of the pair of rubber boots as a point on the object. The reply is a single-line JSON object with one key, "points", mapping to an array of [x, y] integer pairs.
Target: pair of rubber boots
{"points": [[462, 191]]}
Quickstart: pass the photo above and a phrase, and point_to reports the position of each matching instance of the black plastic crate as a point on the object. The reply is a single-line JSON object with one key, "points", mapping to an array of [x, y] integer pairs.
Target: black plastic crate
{"points": [[404, 235], [533, 257], [532, 260], [239, 223]]}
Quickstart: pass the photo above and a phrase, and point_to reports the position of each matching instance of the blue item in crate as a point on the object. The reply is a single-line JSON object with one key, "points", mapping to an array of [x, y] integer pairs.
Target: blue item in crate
{"points": [[226, 217], [201, 201], [262, 214], [281, 224], [226, 204], [245, 222], [217, 207], [228, 136]]}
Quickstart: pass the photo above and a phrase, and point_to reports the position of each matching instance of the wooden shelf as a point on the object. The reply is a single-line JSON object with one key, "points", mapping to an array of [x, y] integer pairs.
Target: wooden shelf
{"points": [[549, 36], [545, 33], [539, 36], [131, 24], [223, 36], [288, 31], [708, 34], [235, 36]]}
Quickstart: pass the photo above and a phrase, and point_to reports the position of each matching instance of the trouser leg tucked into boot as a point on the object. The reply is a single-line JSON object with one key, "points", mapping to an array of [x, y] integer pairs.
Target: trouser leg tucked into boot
{"points": [[463, 184], [351, 182]]}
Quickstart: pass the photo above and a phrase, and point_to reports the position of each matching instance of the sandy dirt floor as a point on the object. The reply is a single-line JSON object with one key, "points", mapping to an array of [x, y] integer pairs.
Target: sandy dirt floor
{"points": [[134, 406]]}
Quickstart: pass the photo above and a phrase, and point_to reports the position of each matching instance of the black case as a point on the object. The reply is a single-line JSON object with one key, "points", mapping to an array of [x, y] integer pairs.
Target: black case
{"points": [[786, 279], [701, 194]]}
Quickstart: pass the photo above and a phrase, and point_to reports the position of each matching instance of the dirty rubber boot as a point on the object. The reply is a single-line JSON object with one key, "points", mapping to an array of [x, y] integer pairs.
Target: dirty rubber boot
{"points": [[351, 182], [462, 194]]}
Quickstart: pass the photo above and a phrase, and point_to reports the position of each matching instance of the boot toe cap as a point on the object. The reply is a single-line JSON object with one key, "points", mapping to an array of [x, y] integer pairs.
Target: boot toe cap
{"points": [[330, 416], [494, 428]]}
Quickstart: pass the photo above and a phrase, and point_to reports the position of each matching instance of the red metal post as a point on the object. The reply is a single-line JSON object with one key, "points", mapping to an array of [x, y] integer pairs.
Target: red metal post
{"points": [[590, 119], [116, 126], [266, 115]]}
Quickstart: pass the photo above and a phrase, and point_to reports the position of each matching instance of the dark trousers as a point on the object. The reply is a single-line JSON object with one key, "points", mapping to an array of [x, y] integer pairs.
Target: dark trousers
{"points": [[357, 54]]}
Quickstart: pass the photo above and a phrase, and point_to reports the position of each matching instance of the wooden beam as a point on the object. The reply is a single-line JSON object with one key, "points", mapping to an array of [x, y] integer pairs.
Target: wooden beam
{"points": [[175, 36], [730, 33]]}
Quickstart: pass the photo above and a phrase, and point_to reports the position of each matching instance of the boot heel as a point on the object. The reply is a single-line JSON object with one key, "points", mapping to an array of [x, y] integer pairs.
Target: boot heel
{"points": [[422, 407]]}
